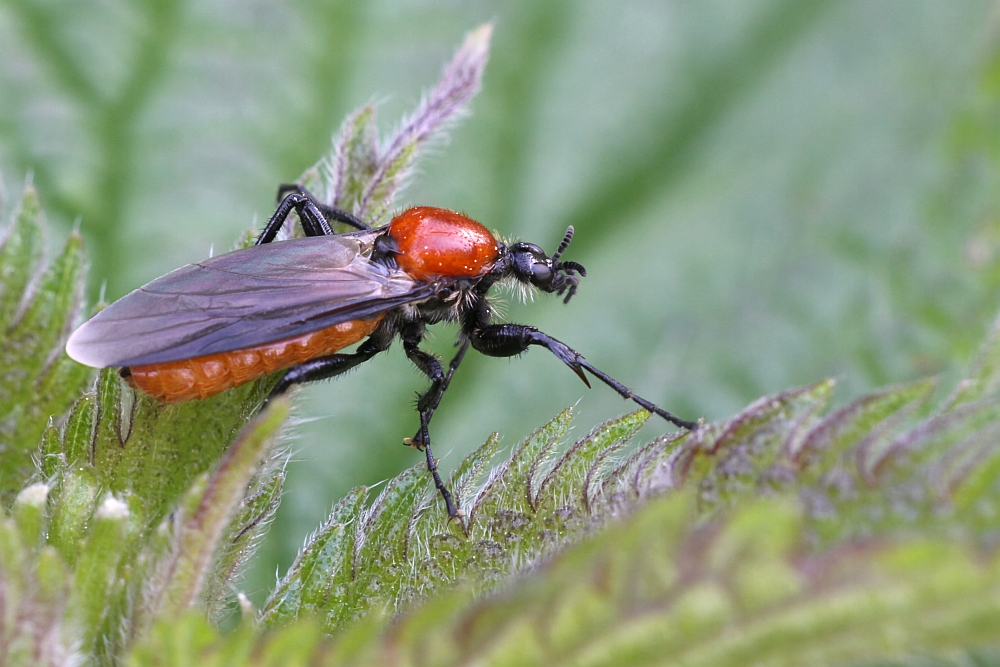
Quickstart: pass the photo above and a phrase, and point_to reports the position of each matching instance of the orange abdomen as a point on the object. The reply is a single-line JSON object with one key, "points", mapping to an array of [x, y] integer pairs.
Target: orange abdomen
{"points": [[201, 377], [436, 242]]}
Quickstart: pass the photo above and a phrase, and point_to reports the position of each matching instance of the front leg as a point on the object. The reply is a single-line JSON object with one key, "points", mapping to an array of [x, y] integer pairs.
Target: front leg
{"points": [[432, 398], [508, 340], [428, 365], [426, 404]]}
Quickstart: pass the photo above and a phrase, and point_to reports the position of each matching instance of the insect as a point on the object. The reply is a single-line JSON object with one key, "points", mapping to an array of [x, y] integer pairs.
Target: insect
{"points": [[293, 305]]}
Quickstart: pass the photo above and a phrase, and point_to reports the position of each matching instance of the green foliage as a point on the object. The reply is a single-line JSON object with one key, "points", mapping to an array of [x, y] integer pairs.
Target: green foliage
{"points": [[810, 188], [779, 533], [767, 538], [130, 439], [828, 503], [37, 308], [402, 549], [363, 175], [83, 572], [121, 510], [788, 533]]}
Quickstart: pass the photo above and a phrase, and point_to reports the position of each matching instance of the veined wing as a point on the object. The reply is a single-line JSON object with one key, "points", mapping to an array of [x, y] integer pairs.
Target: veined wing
{"points": [[248, 297]]}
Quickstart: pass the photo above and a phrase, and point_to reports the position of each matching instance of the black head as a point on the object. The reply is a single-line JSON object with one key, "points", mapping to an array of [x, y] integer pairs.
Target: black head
{"points": [[529, 263]]}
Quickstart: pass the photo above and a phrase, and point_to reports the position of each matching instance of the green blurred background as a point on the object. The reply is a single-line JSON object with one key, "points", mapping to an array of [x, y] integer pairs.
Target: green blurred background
{"points": [[765, 193]]}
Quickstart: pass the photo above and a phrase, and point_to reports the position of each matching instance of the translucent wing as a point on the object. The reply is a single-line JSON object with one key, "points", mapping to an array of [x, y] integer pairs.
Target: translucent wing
{"points": [[249, 297]]}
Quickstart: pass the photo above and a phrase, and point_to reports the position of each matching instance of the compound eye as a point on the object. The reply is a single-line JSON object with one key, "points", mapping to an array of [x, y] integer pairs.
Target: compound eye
{"points": [[541, 274]]}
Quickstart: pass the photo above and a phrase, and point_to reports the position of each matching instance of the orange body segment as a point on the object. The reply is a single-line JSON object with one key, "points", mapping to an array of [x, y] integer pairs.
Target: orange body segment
{"points": [[436, 242], [201, 377]]}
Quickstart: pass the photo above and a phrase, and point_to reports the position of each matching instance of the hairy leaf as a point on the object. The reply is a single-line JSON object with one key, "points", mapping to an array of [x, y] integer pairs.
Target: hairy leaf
{"points": [[37, 307], [244, 533], [209, 511], [662, 588], [781, 447]]}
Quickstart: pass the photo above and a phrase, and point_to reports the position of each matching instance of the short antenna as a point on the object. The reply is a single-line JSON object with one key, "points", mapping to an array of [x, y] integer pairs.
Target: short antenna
{"points": [[565, 243]]}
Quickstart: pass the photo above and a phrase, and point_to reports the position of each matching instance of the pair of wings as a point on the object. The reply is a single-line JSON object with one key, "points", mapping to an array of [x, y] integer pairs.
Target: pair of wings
{"points": [[248, 297]]}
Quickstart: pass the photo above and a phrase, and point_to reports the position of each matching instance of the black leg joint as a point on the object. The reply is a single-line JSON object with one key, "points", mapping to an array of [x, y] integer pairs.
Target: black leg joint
{"points": [[313, 222], [432, 398], [330, 213], [502, 340], [426, 362]]}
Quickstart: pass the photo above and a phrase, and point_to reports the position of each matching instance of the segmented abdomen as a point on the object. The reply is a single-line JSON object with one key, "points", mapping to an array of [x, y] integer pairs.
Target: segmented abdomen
{"points": [[201, 377]]}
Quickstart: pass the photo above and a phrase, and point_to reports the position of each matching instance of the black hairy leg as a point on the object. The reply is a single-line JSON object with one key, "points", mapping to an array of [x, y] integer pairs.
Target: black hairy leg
{"points": [[508, 340], [329, 212], [426, 403]]}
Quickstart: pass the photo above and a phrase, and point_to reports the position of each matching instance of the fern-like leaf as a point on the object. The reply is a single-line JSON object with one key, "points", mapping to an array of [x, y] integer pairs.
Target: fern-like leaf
{"points": [[207, 518], [37, 307], [684, 541]]}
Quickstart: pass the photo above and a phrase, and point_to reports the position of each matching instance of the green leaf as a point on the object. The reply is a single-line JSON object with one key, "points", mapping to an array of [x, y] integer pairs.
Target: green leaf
{"points": [[750, 450], [209, 511], [324, 567], [383, 540], [95, 575], [37, 308], [149, 449], [403, 548], [646, 563], [20, 256], [463, 481], [660, 588], [34, 629], [863, 418], [354, 160], [513, 488], [570, 482], [74, 502], [983, 377], [244, 535], [29, 514]]}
